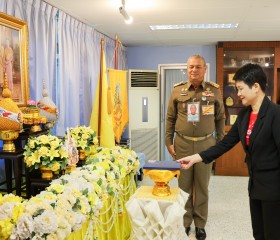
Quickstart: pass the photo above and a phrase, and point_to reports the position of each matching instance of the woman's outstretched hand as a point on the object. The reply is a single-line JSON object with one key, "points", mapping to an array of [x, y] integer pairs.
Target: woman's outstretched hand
{"points": [[187, 162]]}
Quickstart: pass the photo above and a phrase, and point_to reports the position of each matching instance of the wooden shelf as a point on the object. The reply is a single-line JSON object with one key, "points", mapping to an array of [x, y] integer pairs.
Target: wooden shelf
{"points": [[264, 53]]}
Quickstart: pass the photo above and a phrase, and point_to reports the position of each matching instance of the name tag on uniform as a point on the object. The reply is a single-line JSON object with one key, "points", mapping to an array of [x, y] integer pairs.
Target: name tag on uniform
{"points": [[193, 112], [208, 109]]}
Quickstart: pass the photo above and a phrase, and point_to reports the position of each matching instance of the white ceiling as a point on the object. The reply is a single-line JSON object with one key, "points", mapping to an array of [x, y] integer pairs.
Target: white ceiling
{"points": [[259, 20]]}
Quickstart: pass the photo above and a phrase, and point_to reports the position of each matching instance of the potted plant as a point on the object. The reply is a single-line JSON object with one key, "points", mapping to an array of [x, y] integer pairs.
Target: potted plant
{"points": [[46, 152]]}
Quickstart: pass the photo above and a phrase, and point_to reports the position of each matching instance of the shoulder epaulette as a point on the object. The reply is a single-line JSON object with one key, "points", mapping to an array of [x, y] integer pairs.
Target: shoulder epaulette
{"points": [[214, 84], [178, 84]]}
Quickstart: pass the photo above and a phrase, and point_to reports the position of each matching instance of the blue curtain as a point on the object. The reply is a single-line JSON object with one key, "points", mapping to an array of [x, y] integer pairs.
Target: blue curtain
{"points": [[64, 52]]}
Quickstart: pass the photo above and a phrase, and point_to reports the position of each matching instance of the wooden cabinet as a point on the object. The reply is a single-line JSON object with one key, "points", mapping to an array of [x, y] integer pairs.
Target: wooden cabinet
{"points": [[230, 57], [232, 163]]}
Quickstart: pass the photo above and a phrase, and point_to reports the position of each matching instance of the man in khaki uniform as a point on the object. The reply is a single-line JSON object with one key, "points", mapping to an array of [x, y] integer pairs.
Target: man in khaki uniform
{"points": [[190, 132]]}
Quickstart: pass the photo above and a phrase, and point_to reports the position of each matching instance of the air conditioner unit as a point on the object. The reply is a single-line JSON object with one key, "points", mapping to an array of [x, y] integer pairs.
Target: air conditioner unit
{"points": [[143, 79], [144, 110]]}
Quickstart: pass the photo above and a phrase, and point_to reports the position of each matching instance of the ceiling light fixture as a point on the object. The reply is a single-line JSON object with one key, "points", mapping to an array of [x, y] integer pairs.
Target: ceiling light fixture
{"points": [[128, 19], [194, 26]]}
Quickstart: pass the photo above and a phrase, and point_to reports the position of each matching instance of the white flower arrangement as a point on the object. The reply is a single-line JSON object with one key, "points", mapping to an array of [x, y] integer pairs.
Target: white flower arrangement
{"points": [[69, 201], [11, 208], [38, 220], [85, 186]]}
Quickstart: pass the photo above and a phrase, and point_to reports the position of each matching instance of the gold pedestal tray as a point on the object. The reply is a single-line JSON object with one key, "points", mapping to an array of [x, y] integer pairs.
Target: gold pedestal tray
{"points": [[36, 126], [146, 193], [31, 116], [161, 179], [161, 189], [8, 136]]}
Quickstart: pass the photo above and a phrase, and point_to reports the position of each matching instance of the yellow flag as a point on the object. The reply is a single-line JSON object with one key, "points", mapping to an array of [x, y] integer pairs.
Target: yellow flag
{"points": [[101, 120], [120, 106]]}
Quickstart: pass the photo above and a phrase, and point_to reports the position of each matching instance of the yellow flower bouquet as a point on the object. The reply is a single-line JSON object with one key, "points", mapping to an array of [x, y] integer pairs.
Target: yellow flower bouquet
{"points": [[85, 137], [46, 150]]}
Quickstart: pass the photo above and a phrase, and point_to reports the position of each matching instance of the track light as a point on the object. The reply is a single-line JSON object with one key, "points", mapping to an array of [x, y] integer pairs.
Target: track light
{"points": [[128, 19]]}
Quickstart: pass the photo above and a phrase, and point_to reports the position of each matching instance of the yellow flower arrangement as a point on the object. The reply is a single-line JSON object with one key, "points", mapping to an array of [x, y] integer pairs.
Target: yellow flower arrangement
{"points": [[85, 137], [46, 150]]}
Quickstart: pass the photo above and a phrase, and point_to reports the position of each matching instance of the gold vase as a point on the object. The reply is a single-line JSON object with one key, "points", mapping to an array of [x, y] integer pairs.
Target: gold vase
{"points": [[82, 154], [46, 173], [70, 168], [8, 136]]}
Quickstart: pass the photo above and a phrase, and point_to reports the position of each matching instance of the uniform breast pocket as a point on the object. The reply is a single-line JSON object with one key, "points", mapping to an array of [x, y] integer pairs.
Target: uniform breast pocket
{"points": [[183, 103], [209, 100]]}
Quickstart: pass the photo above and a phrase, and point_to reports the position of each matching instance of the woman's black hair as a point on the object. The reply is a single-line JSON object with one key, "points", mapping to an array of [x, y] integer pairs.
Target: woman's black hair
{"points": [[251, 74]]}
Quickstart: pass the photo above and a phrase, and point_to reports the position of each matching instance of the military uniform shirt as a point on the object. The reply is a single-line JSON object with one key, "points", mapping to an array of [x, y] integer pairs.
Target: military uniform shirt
{"points": [[208, 93]]}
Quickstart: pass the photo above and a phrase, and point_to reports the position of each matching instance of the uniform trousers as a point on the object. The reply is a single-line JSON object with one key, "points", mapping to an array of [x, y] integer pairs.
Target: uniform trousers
{"points": [[265, 217], [194, 181]]}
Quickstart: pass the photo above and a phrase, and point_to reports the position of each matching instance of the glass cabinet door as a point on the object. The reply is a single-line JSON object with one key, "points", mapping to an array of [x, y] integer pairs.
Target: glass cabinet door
{"points": [[234, 59]]}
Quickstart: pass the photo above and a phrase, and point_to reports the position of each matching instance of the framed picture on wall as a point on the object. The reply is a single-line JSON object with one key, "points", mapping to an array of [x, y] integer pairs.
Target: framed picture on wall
{"points": [[14, 58]]}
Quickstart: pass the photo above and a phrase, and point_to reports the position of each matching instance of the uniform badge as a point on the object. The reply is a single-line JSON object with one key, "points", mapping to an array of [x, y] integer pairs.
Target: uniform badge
{"points": [[208, 93], [208, 109], [184, 92]]}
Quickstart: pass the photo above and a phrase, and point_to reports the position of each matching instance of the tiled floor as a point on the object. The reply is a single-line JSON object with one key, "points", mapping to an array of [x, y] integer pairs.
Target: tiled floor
{"points": [[229, 216]]}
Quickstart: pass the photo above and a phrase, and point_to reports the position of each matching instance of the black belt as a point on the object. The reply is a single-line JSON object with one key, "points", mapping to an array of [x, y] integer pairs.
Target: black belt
{"points": [[196, 139]]}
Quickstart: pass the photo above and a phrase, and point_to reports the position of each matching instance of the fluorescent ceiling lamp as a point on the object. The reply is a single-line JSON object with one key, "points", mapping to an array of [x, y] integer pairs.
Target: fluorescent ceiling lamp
{"points": [[194, 26]]}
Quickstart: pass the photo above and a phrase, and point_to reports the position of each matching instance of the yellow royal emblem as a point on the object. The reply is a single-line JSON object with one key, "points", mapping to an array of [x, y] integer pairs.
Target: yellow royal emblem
{"points": [[229, 101]]}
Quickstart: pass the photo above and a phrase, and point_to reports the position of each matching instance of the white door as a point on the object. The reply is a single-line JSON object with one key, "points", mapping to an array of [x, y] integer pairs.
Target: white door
{"points": [[170, 74]]}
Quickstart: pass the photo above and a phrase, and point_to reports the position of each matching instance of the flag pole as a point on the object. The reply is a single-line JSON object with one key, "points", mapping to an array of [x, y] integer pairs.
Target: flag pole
{"points": [[116, 52], [100, 87]]}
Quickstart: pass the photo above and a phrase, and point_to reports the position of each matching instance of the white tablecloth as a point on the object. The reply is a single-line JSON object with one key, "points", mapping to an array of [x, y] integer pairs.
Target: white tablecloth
{"points": [[157, 218]]}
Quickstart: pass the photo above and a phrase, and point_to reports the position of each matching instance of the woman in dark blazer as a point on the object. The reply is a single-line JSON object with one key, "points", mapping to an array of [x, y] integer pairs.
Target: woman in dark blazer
{"points": [[258, 128]]}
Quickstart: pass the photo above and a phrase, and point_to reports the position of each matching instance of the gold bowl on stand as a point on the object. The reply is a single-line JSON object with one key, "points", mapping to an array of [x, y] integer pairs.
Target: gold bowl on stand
{"points": [[10, 119], [161, 179], [8, 136], [31, 116]]}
